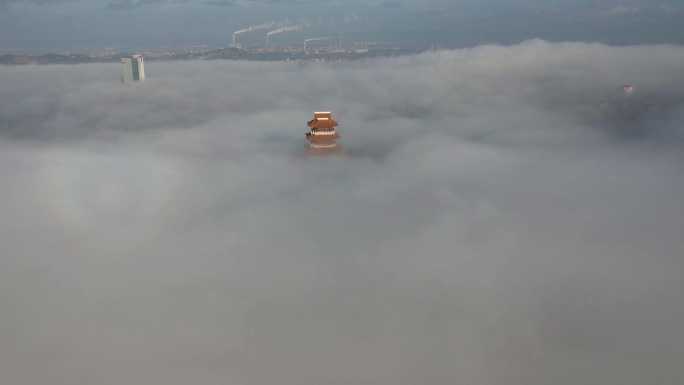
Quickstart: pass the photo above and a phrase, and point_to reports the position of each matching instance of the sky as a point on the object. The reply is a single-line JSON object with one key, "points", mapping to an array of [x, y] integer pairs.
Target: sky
{"points": [[41, 26], [499, 215]]}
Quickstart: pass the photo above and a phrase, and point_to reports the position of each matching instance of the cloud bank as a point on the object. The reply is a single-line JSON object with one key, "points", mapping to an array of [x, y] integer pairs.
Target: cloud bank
{"points": [[500, 215]]}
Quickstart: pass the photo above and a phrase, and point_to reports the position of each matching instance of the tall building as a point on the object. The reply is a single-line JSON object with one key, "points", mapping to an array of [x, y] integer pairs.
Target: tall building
{"points": [[133, 69]]}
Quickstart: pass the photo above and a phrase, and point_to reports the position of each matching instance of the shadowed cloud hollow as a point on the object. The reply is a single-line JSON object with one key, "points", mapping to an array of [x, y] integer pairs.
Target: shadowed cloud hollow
{"points": [[500, 215]]}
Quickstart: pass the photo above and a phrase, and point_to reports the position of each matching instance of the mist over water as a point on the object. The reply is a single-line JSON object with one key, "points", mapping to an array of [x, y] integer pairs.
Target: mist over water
{"points": [[499, 215]]}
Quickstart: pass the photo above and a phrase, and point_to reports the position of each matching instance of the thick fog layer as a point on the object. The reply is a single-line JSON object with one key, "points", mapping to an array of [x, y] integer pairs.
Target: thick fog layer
{"points": [[498, 215]]}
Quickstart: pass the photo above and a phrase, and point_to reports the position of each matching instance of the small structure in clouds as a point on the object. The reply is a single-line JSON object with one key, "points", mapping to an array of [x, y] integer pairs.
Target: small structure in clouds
{"points": [[133, 69], [629, 90], [322, 137]]}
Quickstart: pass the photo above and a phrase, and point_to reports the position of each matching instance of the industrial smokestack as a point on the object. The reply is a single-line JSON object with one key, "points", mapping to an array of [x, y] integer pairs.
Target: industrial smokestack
{"points": [[291, 28], [286, 29], [315, 39], [254, 28]]}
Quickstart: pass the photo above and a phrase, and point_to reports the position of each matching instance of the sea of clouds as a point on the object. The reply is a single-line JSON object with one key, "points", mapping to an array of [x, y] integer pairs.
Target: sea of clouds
{"points": [[498, 215]]}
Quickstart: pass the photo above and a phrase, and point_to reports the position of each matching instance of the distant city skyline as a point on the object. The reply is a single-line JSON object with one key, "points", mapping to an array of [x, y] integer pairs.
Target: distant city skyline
{"points": [[54, 26]]}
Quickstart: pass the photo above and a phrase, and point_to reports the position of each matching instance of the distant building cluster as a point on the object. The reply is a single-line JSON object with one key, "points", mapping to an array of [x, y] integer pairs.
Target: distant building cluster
{"points": [[312, 53]]}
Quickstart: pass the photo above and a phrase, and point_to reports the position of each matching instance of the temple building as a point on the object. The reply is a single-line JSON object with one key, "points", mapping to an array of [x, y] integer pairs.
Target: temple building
{"points": [[322, 137]]}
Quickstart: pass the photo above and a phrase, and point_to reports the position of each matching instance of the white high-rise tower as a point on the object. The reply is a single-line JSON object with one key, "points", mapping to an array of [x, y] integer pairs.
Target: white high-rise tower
{"points": [[133, 69]]}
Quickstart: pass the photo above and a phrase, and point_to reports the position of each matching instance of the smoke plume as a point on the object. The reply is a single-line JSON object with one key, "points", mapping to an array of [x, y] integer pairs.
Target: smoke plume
{"points": [[291, 28], [317, 39], [256, 28]]}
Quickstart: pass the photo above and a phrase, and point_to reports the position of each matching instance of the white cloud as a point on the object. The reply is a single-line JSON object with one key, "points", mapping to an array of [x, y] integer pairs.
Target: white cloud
{"points": [[622, 10], [501, 215]]}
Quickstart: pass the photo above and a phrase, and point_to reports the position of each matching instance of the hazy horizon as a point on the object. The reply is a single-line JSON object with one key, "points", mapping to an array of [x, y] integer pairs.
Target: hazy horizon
{"points": [[45, 26]]}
